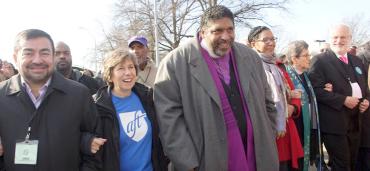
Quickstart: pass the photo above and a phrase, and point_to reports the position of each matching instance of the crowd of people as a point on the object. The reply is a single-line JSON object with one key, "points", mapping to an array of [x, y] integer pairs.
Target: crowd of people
{"points": [[212, 104]]}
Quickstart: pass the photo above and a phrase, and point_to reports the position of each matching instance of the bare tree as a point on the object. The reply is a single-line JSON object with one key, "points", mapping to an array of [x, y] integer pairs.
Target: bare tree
{"points": [[360, 29], [247, 12], [177, 19]]}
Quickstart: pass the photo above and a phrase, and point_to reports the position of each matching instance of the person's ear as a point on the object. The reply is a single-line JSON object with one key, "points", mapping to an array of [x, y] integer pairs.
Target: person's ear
{"points": [[202, 32], [253, 43]]}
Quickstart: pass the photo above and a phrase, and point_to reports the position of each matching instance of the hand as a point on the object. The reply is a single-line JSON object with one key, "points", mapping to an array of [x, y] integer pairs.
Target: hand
{"points": [[297, 93], [364, 105], [290, 110], [280, 134], [96, 143], [351, 102], [328, 87]]}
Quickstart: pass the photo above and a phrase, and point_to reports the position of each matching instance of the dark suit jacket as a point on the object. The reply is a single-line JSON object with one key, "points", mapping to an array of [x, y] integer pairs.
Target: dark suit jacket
{"points": [[327, 68], [66, 112], [88, 81]]}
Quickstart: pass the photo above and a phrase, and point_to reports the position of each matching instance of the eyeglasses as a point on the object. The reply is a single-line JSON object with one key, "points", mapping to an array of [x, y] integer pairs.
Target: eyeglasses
{"points": [[305, 56], [267, 39]]}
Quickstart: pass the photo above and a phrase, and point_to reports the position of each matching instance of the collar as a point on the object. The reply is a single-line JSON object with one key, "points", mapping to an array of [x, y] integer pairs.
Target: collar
{"points": [[57, 81], [103, 95], [149, 63], [27, 86], [338, 56]]}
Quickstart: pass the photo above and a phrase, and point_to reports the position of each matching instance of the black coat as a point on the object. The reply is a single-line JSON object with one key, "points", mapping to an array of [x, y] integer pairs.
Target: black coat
{"points": [[64, 116], [88, 81], [334, 116], [109, 128]]}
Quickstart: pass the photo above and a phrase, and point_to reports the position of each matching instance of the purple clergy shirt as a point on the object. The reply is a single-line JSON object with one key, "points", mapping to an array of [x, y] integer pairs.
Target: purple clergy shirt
{"points": [[239, 157], [222, 66]]}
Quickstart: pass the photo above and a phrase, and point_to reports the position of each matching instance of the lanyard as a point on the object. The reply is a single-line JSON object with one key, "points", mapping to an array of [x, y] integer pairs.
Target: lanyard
{"points": [[29, 125], [34, 114]]}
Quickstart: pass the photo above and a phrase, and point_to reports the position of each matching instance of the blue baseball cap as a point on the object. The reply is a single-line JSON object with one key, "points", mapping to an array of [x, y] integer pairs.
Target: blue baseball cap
{"points": [[140, 39]]}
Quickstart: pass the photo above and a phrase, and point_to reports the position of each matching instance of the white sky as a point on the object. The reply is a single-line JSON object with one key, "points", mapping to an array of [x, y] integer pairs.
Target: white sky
{"points": [[80, 22], [310, 20]]}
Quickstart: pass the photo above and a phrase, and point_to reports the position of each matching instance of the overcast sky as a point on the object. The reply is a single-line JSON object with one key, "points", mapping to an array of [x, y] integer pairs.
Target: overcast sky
{"points": [[310, 20], [77, 22], [80, 22]]}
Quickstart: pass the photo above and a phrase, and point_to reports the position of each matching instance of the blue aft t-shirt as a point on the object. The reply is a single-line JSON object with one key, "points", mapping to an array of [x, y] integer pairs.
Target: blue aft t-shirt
{"points": [[135, 134]]}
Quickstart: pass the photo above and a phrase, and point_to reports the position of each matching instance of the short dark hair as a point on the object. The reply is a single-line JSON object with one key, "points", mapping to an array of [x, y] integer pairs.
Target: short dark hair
{"points": [[32, 34], [214, 13], [255, 33]]}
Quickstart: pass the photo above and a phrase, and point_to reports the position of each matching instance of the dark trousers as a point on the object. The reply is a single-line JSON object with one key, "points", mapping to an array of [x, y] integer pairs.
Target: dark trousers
{"points": [[286, 166], [363, 160], [342, 149]]}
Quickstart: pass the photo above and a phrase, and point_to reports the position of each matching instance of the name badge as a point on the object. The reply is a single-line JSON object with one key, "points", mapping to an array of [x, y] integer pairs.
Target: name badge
{"points": [[26, 152]]}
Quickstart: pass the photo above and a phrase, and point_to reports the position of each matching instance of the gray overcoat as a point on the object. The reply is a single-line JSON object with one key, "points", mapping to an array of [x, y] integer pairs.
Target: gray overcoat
{"points": [[192, 127]]}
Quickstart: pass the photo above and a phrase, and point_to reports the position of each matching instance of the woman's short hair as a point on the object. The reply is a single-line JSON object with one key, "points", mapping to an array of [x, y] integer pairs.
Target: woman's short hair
{"points": [[113, 59], [255, 33], [295, 48]]}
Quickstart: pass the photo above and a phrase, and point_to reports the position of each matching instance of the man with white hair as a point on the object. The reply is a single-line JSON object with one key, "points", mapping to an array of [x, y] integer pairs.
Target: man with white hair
{"points": [[342, 109]]}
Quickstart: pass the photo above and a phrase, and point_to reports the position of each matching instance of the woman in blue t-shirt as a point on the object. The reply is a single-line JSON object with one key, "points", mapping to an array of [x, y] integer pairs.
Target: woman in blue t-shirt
{"points": [[127, 118]]}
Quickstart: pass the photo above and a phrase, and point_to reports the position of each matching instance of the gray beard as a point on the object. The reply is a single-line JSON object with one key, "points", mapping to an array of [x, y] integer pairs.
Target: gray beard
{"points": [[208, 49]]}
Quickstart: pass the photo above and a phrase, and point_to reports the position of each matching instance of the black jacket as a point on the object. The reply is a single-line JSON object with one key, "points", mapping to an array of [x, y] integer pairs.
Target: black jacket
{"points": [[327, 68], [88, 81], [64, 116], [109, 128]]}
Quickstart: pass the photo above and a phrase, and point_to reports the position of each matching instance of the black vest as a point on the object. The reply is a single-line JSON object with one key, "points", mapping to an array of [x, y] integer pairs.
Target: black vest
{"points": [[235, 100]]}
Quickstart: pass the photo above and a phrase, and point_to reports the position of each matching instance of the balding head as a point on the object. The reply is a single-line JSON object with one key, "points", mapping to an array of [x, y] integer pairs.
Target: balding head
{"points": [[340, 38], [63, 58], [63, 45]]}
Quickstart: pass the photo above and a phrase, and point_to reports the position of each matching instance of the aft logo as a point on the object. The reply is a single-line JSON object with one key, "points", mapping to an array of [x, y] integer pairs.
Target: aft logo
{"points": [[134, 124]]}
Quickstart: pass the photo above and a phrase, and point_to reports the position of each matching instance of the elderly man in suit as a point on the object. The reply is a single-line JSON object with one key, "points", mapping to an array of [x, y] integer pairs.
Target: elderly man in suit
{"points": [[341, 110], [213, 102]]}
